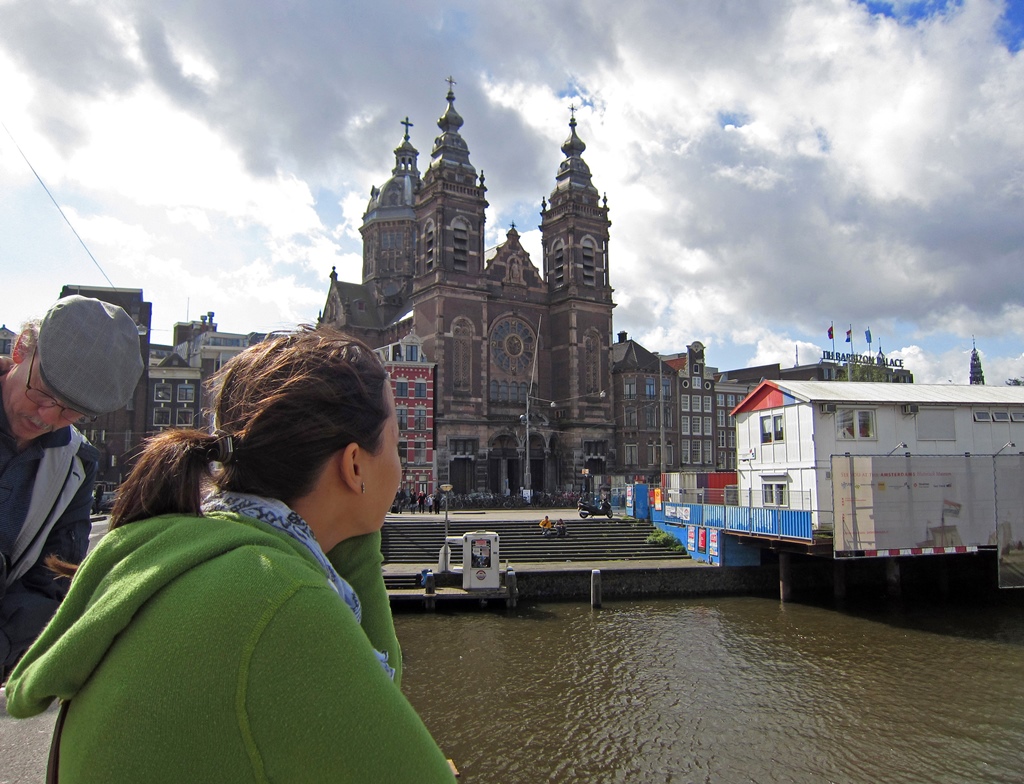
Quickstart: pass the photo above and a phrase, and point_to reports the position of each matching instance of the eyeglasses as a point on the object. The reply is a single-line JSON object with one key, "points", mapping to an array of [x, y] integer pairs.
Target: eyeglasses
{"points": [[43, 400]]}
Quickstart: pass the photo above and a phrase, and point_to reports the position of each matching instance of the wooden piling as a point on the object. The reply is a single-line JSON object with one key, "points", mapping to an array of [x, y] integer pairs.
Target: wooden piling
{"points": [[595, 588], [785, 578]]}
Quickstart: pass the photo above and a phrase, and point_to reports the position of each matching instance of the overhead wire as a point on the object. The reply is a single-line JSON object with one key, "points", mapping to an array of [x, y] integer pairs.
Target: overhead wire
{"points": [[55, 204]]}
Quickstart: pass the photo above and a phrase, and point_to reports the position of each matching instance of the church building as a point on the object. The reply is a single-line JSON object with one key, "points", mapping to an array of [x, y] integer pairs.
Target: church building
{"points": [[523, 388]]}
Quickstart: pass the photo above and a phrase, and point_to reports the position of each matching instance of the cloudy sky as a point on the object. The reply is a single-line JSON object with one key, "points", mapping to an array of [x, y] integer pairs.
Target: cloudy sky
{"points": [[771, 166]]}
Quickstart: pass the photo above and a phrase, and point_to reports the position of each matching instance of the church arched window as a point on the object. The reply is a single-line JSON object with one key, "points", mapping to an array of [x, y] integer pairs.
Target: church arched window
{"points": [[462, 366], [591, 362], [429, 250], [460, 245], [558, 262], [588, 262]]}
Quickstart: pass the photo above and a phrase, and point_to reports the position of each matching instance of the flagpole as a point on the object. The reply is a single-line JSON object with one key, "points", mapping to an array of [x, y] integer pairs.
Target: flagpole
{"points": [[849, 369]]}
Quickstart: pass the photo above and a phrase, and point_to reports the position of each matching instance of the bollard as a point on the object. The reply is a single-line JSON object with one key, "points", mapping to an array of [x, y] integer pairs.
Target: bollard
{"points": [[429, 591], [595, 588], [512, 585]]}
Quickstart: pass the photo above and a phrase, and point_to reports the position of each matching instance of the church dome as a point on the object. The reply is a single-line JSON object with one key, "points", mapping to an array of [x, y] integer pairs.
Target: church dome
{"points": [[394, 199]]}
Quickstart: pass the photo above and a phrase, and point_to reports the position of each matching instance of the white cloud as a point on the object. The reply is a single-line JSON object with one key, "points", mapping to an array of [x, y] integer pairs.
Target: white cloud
{"points": [[770, 167]]}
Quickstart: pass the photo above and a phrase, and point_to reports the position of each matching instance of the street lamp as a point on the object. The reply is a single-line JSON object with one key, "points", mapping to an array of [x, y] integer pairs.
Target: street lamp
{"points": [[445, 553]]}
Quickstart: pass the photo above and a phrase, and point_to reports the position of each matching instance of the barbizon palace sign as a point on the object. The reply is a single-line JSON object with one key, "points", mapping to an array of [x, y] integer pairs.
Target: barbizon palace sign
{"points": [[861, 359]]}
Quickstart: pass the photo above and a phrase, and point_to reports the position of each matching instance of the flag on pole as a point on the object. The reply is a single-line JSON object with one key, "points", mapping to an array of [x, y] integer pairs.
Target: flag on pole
{"points": [[867, 336], [831, 334], [849, 335]]}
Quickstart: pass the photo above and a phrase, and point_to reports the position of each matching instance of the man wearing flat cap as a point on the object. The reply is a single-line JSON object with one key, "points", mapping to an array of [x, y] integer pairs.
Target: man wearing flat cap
{"points": [[82, 360]]}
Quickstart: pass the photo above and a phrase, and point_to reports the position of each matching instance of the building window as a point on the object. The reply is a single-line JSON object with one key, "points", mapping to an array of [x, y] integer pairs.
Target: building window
{"points": [[428, 247], [720, 399], [403, 452], [721, 439], [161, 417], [462, 446], [403, 418], [460, 246], [720, 417], [420, 452], [731, 401], [982, 416], [162, 393], [631, 455], [669, 454], [421, 419], [666, 389], [629, 388], [707, 404], [696, 403], [773, 494], [463, 364], [707, 426], [696, 381], [852, 425], [591, 362], [412, 353], [401, 389], [183, 417], [684, 402], [595, 448], [653, 458], [708, 453], [631, 417], [684, 425], [649, 387], [558, 263], [695, 452], [695, 426], [668, 416], [589, 268], [651, 416], [684, 452], [771, 429], [421, 389]]}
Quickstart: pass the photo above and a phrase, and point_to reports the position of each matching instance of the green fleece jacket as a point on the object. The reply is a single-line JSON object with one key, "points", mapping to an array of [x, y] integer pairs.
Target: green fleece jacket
{"points": [[213, 649]]}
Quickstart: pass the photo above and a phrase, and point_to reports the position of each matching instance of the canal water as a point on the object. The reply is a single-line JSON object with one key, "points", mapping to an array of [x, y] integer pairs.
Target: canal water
{"points": [[723, 690]]}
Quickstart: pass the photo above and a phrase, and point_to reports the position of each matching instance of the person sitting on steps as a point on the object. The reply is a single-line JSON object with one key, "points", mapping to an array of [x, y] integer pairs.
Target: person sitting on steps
{"points": [[546, 526]]}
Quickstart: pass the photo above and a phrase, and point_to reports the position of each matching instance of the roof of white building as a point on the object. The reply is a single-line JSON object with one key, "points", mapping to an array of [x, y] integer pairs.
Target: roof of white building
{"points": [[869, 392]]}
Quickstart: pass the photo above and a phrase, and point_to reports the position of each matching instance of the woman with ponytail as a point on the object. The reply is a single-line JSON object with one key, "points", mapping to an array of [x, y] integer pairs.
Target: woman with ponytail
{"points": [[233, 625]]}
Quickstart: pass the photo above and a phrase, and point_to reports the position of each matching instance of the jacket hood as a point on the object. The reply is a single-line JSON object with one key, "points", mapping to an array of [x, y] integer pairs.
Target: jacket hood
{"points": [[127, 568]]}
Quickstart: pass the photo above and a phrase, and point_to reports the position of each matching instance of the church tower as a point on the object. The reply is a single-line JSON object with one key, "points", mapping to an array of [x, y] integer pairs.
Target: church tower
{"points": [[389, 233], [977, 374], [575, 230], [449, 293]]}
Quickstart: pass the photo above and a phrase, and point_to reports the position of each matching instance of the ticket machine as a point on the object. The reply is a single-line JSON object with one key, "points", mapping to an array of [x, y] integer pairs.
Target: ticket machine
{"points": [[480, 564]]}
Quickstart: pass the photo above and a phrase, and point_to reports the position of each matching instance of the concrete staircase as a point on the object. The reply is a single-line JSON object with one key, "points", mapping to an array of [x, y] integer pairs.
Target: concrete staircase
{"points": [[418, 541]]}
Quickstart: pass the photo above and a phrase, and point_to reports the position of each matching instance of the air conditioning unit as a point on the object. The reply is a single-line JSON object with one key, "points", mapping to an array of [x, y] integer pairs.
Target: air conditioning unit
{"points": [[911, 408], [828, 408]]}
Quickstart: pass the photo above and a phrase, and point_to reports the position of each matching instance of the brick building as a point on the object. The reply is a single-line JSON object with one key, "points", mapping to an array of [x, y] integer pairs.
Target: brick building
{"points": [[522, 352]]}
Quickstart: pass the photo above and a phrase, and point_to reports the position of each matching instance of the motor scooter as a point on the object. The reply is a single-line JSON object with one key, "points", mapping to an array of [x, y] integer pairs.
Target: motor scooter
{"points": [[587, 509]]}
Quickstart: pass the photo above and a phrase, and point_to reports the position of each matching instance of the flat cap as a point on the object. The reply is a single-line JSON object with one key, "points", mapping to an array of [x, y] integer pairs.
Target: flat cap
{"points": [[89, 354]]}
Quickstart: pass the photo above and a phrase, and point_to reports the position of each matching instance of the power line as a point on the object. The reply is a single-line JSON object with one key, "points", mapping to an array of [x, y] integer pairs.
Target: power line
{"points": [[55, 204]]}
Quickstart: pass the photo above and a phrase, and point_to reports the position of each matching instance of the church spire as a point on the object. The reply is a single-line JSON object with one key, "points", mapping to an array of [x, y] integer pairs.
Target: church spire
{"points": [[450, 148], [574, 174], [977, 374]]}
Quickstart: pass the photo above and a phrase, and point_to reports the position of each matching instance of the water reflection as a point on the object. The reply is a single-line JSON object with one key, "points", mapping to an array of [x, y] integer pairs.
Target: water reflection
{"points": [[722, 690]]}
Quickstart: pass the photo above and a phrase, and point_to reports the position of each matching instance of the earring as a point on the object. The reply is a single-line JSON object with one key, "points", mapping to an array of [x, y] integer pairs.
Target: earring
{"points": [[363, 486]]}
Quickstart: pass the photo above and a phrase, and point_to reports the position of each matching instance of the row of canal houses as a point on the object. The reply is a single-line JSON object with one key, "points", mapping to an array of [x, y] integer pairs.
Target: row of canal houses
{"points": [[854, 470]]}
